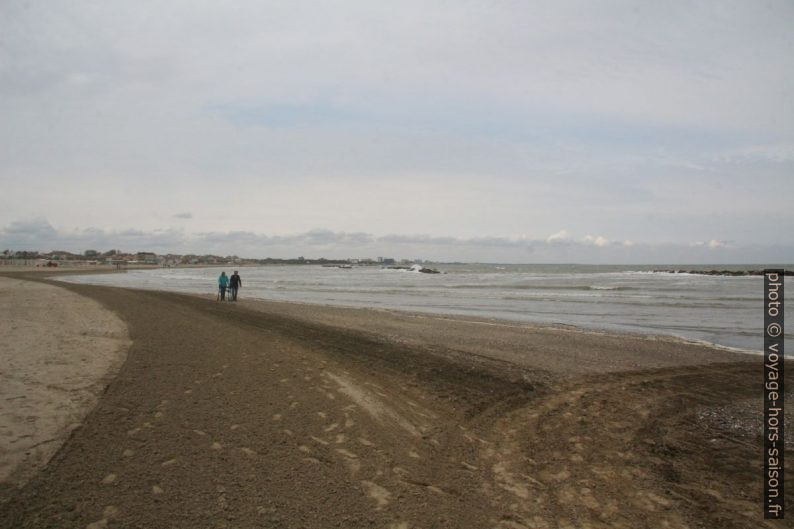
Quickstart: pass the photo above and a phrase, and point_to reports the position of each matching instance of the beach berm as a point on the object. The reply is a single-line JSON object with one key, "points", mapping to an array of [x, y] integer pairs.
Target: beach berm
{"points": [[59, 351]]}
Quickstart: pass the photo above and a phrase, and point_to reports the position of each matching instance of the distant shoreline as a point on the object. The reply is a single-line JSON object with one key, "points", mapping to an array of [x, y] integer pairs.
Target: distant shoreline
{"points": [[507, 314], [318, 306]]}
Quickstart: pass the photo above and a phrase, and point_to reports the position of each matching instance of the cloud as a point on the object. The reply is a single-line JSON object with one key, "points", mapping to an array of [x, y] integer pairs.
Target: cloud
{"points": [[598, 241], [184, 215], [39, 234], [35, 229], [561, 237], [712, 244]]}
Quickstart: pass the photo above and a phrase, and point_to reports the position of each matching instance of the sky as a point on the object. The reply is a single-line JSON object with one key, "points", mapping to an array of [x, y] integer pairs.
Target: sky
{"points": [[491, 131]]}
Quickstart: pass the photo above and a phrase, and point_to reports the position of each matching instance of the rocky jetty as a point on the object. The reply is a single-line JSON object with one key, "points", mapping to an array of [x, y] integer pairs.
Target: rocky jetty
{"points": [[723, 272]]}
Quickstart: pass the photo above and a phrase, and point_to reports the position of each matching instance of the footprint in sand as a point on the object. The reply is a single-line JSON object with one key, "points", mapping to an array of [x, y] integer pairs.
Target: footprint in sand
{"points": [[347, 453], [353, 466], [351, 460], [111, 512], [586, 498], [377, 493], [548, 475]]}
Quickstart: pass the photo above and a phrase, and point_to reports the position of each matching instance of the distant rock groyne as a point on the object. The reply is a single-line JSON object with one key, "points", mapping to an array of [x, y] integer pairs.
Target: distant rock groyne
{"points": [[722, 272]]}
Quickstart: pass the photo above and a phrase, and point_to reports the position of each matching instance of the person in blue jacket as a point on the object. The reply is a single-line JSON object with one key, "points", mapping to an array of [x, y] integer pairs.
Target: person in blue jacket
{"points": [[223, 282]]}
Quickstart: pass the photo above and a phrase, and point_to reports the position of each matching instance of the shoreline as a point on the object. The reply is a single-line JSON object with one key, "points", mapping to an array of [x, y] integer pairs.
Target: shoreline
{"points": [[484, 320], [320, 309], [288, 415]]}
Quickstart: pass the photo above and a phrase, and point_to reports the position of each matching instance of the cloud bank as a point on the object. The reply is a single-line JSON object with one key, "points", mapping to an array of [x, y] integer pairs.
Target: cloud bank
{"points": [[39, 234]]}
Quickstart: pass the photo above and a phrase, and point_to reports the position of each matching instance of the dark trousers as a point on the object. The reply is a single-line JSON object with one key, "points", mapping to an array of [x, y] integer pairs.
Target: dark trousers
{"points": [[233, 292], [223, 293]]}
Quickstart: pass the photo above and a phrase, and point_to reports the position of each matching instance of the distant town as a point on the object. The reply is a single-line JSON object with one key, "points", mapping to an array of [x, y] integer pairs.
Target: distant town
{"points": [[122, 259]]}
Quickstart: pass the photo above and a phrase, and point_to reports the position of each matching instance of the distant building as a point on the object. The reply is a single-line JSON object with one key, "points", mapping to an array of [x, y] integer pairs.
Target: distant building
{"points": [[149, 258]]}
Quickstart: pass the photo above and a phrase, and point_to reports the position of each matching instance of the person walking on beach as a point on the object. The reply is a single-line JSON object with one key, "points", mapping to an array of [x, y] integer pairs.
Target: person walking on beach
{"points": [[223, 282], [234, 284]]}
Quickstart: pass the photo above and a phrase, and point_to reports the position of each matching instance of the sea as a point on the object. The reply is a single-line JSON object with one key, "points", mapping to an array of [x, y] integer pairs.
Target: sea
{"points": [[723, 310]]}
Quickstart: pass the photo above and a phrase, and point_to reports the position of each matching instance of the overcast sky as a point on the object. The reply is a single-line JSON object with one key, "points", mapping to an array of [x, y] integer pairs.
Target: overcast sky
{"points": [[451, 130]]}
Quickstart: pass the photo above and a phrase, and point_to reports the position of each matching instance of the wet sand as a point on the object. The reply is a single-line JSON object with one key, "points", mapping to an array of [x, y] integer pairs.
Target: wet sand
{"points": [[282, 415]]}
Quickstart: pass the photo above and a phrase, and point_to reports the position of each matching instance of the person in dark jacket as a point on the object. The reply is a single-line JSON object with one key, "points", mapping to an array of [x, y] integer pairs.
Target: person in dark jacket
{"points": [[234, 284]]}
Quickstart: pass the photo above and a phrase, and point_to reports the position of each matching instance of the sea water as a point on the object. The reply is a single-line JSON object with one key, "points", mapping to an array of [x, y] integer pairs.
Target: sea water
{"points": [[723, 310]]}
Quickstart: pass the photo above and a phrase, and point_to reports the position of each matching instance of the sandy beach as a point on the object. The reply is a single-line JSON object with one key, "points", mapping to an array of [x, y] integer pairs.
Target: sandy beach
{"points": [[60, 350], [264, 414]]}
